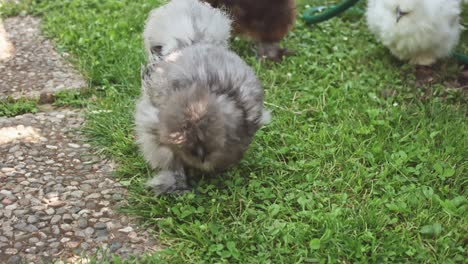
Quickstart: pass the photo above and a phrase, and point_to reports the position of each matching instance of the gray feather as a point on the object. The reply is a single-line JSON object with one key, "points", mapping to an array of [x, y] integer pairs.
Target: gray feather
{"points": [[200, 108]]}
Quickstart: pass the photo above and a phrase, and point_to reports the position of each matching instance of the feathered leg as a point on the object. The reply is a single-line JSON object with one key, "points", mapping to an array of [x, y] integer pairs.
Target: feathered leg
{"points": [[173, 180], [272, 51]]}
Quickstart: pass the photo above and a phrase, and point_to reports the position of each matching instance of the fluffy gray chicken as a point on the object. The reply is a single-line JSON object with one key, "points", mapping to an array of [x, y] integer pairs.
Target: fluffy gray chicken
{"points": [[201, 104]]}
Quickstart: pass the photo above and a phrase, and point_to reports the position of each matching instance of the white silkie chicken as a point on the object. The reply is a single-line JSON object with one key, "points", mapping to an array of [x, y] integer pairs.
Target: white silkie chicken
{"points": [[201, 104], [420, 31]]}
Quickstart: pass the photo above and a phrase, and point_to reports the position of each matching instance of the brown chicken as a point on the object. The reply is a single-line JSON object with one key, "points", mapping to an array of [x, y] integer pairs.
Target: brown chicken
{"points": [[265, 21]]}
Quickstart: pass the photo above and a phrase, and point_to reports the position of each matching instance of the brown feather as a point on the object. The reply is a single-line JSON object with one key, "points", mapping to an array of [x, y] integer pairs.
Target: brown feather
{"points": [[262, 20]]}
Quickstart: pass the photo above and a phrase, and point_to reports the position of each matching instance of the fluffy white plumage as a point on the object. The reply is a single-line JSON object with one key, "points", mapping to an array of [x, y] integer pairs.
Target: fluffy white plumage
{"points": [[420, 31], [181, 23]]}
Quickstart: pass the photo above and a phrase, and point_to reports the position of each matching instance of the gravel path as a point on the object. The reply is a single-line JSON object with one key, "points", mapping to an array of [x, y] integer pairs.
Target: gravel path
{"points": [[35, 67], [57, 198]]}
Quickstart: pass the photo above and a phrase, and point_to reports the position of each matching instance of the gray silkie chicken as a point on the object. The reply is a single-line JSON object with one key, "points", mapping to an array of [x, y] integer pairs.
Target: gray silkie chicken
{"points": [[201, 104]]}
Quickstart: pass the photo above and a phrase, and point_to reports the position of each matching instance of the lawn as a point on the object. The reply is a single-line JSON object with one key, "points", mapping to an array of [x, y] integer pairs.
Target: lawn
{"points": [[362, 162]]}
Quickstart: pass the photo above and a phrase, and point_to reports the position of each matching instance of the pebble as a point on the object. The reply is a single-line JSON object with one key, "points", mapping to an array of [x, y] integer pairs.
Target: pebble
{"points": [[100, 226], [29, 228], [20, 212], [82, 222], [32, 219], [84, 245], [14, 259], [33, 240], [101, 235], [40, 244], [31, 250], [76, 194], [11, 251], [55, 219], [7, 213], [115, 245], [89, 231], [55, 230], [93, 196], [11, 207], [67, 218], [57, 204], [127, 229], [117, 197], [54, 244], [73, 244], [7, 201], [86, 187], [65, 227], [24, 202]]}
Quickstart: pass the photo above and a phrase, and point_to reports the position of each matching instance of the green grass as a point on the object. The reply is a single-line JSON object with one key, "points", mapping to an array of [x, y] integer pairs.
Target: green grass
{"points": [[344, 172], [10, 107]]}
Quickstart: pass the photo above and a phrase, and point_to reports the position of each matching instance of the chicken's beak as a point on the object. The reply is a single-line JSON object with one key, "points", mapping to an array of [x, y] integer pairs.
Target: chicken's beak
{"points": [[400, 14]]}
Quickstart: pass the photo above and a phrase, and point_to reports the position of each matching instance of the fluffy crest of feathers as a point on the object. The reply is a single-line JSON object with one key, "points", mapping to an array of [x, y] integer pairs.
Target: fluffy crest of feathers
{"points": [[420, 31], [181, 23], [201, 104]]}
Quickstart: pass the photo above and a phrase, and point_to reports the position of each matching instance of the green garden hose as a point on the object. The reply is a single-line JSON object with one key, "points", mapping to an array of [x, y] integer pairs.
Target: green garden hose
{"points": [[319, 14], [460, 57]]}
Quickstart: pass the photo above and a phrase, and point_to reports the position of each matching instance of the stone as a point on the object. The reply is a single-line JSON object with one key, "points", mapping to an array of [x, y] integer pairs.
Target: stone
{"points": [[33, 240], [14, 259], [114, 246], [101, 233], [54, 244], [65, 227], [55, 219], [21, 212], [31, 250], [100, 226], [24, 202], [77, 194], [93, 196], [73, 244], [11, 207], [72, 145], [127, 229], [55, 230], [29, 228], [32, 219], [40, 244], [67, 218], [89, 231], [11, 251], [82, 222], [57, 204], [84, 245], [7, 201]]}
